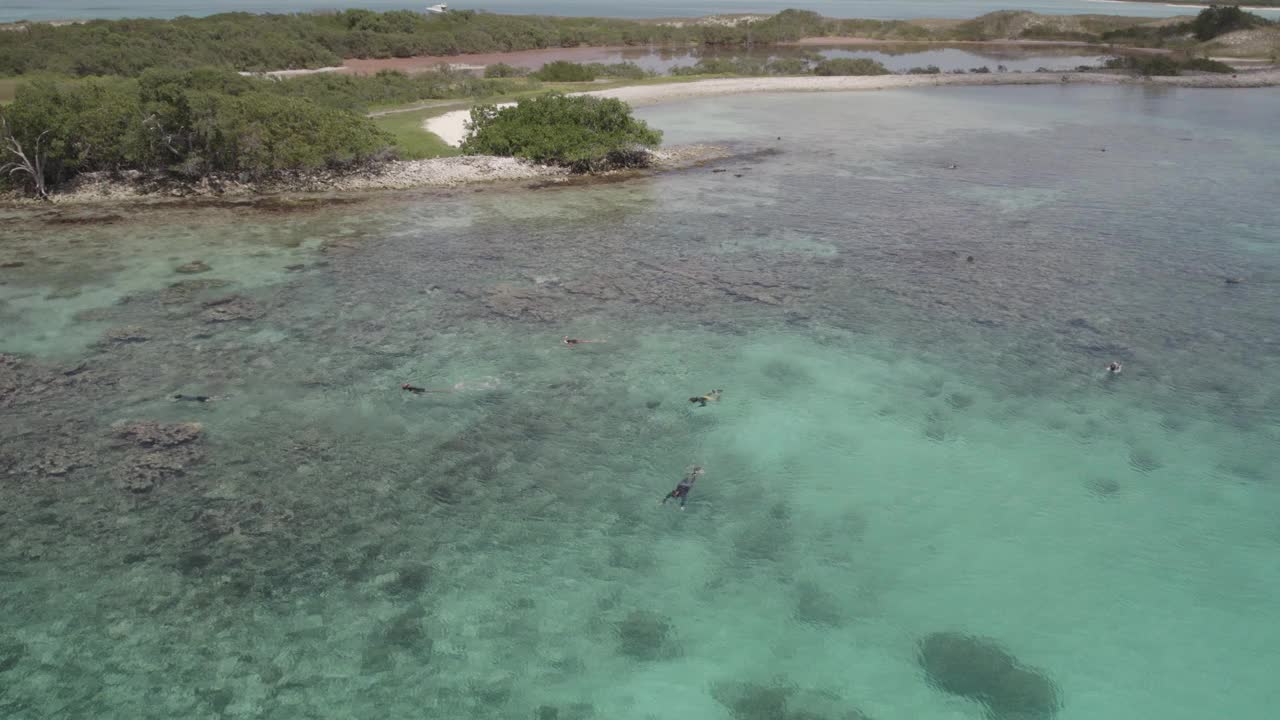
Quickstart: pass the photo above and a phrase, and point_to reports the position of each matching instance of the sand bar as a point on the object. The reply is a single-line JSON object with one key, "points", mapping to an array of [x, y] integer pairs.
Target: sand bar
{"points": [[451, 126]]}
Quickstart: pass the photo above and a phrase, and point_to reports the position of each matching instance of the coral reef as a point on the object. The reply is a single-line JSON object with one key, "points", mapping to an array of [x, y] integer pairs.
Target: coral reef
{"points": [[126, 334], [158, 435], [230, 309], [156, 453], [193, 267]]}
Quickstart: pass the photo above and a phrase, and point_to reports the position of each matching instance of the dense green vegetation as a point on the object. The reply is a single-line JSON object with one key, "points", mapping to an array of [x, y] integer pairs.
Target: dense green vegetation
{"points": [[1149, 65], [850, 66], [388, 87], [503, 70], [561, 71], [580, 132], [190, 122], [1220, 20], [809, 65], [247, 42], [1210, 23], [119, 111]]}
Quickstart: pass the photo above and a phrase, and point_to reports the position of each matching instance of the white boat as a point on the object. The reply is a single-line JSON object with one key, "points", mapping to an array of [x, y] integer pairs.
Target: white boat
{"points": [[441, 8]]}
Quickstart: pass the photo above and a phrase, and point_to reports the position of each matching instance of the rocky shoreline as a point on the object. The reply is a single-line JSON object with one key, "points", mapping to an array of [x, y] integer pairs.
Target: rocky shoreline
{"points": [[392, 175]]}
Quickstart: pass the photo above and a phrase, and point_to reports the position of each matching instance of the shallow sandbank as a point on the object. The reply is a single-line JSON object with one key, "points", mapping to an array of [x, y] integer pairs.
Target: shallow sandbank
{"points": [[451, 126]]}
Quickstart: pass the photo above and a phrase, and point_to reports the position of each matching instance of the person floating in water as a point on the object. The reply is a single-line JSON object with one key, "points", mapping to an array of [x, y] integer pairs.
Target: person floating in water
{"points": [[192, 398], [419, 390], [1114, 368], [702, 400], [682, 490], [575, 341]]}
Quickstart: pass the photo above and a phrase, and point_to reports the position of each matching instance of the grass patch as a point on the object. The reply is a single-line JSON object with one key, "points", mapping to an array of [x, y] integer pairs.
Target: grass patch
{"points": [[415, 143], [412, 142], [8, 86]]}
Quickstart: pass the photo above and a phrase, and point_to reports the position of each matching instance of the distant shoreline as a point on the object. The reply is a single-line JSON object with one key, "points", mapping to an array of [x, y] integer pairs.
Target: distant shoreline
{"points": [[451, 126], [1175, 4], [534, 59]]}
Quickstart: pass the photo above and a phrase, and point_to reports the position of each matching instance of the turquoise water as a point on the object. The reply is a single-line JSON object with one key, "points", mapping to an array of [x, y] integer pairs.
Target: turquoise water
{"points": [[878, 9], [909, 442]]}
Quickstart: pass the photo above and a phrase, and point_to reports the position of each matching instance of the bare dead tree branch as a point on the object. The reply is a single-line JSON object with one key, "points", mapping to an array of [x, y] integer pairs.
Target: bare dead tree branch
{"points": [[20, 162], [153, 123]]}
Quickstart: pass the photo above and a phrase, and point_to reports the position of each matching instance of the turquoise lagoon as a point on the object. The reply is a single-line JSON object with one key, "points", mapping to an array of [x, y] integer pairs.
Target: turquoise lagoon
{"points": [[917, 434]]}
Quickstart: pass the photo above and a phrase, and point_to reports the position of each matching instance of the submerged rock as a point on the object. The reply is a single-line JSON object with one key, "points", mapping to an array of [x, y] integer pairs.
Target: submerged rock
{"points": [[405, 630], [183, 290], [158, 435], [231, 308], [218, 699], [1143, 460], [749, 701], [1103, 486], [646, 635], [160, 452], [49, 452], [11, 653], [193, 267], [57, 461], [126, 334], [140, 472], [816, 606], [982, 671], [411, 579]]}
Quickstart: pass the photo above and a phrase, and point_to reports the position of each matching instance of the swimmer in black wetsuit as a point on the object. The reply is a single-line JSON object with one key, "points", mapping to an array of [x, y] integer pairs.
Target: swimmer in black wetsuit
{"points": [[682, 490], [192, 398], [702, 400], [1114, 368], [576, 341], [419, 390]]}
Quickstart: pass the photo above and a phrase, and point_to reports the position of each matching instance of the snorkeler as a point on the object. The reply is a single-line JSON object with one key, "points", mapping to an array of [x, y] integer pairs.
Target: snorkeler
{"points": [[1114, 368], [192, 398], [575, 341], [418, 390], [682, 490], [702, 400]]}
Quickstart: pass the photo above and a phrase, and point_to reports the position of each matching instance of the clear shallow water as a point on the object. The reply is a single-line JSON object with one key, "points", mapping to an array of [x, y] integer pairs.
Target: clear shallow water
{"points": [[909, 442], [875, 9]]}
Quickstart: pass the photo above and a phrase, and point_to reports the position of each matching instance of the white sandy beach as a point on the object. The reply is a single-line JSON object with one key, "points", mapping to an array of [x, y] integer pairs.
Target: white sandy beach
{"points": [[452, 126]]}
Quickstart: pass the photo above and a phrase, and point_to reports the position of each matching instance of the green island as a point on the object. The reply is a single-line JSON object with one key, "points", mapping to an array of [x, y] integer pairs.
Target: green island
{"points": [[198, 98]]}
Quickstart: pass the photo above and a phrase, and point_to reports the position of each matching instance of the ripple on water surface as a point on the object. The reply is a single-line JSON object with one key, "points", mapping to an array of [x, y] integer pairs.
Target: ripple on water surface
{"points": [[924, 497]]}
